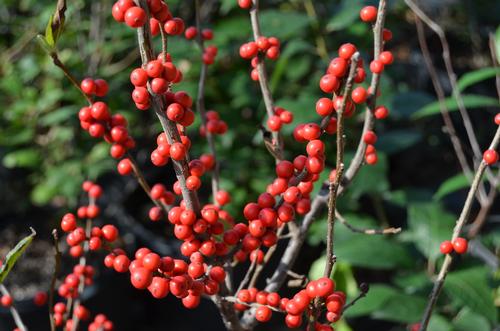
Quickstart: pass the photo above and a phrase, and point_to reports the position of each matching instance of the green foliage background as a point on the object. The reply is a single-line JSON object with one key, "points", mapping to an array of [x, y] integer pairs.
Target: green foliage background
{"points": [[416, 183]]}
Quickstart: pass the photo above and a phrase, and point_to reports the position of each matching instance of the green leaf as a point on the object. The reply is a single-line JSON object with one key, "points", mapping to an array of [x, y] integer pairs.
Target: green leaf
{"points": [[371, 179], [374, 299], [387, 303], [439, 323], [470, 288], [49, 34], [404, 104], [28, 157], [317, 268], [428, 226], [378, 252], [476, 76], [14, 255], [470, 101], [398, 140], [283, 24], [451, 185], [346, 15], [467, 320]]}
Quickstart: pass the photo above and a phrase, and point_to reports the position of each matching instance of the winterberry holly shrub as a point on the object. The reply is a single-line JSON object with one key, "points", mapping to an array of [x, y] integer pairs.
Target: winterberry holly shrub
{"points": [[315, 163]]}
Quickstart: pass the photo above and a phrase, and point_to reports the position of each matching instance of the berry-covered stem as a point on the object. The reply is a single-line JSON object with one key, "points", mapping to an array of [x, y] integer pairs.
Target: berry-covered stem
{"points": [[82, 262], [263, 81], [13, 310], [334, 185], [57, 267], [180, 167], [464, 215], [200, 104]]}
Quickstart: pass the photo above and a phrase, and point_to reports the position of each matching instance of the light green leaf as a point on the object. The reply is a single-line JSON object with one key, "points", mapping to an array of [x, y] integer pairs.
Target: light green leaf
{"points": [[467, 320], [283, 24], [476, 76], [317, 268], [49, 34], [439, 323], [28, 157], [428, 226], [451, 185], [470, 101], [347, 14], [14, 254], [469, 287]]}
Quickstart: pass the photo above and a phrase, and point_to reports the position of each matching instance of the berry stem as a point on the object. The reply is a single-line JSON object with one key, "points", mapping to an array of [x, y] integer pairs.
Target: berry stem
{"points": [[200, 104], [158, 103], [351, 227], [464, 215], [263, 82], [13, 310], [57, 267]]}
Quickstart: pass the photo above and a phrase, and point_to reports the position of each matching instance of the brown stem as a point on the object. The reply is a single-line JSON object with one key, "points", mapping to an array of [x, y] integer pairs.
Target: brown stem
{"points": [[464, 215], [200, 104], [181, 167], [57, 267], [60, 65], [13, 310], [351, 227], [263, 81]]}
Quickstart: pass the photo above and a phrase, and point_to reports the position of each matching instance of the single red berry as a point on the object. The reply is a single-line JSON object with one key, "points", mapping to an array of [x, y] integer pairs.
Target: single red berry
{"points": [[124, 167], [245, 4], [368, 14], [497, 119], [177, 151], [376, 66], [446, 247], [329, 83], [263, 314], [386, 57], [338, 67], [386, 34], [190, 32], [139, 77], [141, 278], [490, 156], [110, 232], [88, 86], [346, 51], [460, 245], [381, 112], [370, 137], [359, 95], [135, 17], [324, 107], [101, 87], [6, 300]]}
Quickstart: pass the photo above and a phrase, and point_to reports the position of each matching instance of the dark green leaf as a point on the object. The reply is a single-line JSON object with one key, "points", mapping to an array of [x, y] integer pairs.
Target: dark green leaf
{"points": [[398, 140], [467, 320], [451, 185], [405, 104], [346, 15], [428, 226], [375, 299], [14, 254], [476, 76], [470, 101], [283, 24], [469, 287], [371, 179]]}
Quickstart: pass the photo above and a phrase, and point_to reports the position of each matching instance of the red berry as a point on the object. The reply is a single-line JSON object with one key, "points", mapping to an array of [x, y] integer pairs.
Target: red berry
{"points": [[191, 32], [460, 245], [497, 119], [346, 51], [177, 151], [386, 57], [490, 156], [446, 247], [376, 66], [368, 14], [381, 112], [141, 278], [40, 298], [337, 67], [124, 167], [88, 86], [324, 287], [324, 106], [329, 83], [159, 287], [139, 77], [245, 4], [110, 232], [370, 137], [135, 17], [359, 95], [6, 300], [263, 314], [101, 87]]}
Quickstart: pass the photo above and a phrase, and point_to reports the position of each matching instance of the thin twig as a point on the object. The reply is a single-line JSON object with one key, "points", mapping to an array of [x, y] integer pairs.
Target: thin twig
{"points": [[263, 81], [245, 280], [13, 311], [446, 55], [200, 104], [250, 304], [464, 215], [181, 167], [334, 185], [365, 231], [364, 290], [57, 267]]}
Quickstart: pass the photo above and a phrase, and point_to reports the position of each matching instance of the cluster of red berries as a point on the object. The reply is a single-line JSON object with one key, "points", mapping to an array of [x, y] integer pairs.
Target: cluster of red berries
{"points": [[458, 245], [136, 17], [210, 51], [101, 322], [323, 288], [281, 116], [214, 124], [82, 274], [269, 46], [158, 75], [98, 121], [164, 275]]}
